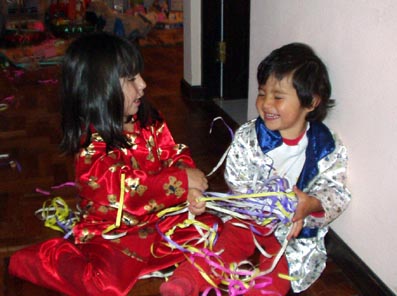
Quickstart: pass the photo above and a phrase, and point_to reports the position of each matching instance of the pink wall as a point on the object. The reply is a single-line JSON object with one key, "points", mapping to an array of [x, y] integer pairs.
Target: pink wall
{"points": [[358, 41]]}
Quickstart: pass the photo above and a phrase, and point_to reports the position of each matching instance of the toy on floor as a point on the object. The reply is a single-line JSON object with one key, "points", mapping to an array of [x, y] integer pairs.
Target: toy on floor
{"points": [[131, 26]]}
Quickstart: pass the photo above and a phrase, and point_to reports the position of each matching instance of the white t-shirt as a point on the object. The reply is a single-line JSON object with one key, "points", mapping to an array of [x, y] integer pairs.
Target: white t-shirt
{"points": [[289, 160]]}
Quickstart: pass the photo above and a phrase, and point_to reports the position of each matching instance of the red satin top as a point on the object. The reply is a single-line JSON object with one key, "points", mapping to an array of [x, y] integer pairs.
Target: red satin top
{"points": [[153, 181]]}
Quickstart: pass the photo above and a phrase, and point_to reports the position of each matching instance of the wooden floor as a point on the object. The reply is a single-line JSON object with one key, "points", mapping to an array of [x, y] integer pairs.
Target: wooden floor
{"points": [[29, 135]]}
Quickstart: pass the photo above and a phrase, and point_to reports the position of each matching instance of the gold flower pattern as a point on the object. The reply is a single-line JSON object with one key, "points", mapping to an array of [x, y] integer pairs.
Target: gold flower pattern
{"points": [[134, 163], [174, 187], [95, 137], [131, 138], [88, 153], [159, 130], [129, 219], [134, 255], [92, 182], [180, 148], [124, 150], [145, 231], [134, 186], [112, 199], [86, 235], [103, 209], [114, 167], [149, 145], [152, 206]]}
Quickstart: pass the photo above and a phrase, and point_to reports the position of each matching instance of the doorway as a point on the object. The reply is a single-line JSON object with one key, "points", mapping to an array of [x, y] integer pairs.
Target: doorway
{"points": [[225, 54], [225, 48]]}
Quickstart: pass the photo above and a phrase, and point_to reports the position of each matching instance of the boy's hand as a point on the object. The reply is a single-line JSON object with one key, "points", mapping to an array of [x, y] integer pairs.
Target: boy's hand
{"points": [[195, 207], [306, 205]]}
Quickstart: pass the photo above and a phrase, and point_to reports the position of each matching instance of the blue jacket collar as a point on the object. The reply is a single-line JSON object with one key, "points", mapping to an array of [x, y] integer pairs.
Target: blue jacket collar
{"points": [[320, 144]]}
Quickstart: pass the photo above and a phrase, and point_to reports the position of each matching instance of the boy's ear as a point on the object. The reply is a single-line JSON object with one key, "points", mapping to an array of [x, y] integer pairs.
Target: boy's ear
{"points": [[315, 102]]}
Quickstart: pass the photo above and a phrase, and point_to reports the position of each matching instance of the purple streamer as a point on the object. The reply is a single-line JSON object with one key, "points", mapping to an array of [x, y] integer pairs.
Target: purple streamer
{"points": [[224, 122]]}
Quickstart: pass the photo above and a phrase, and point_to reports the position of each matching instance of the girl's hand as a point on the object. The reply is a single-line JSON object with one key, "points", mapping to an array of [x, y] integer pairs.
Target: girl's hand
{"points": [[306, 205], [196, 179], [195, 207]]}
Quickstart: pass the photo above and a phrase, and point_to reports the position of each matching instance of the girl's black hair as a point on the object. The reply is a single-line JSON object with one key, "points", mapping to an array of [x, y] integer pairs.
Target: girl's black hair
{"points": [[92, 97], [309, 76]]}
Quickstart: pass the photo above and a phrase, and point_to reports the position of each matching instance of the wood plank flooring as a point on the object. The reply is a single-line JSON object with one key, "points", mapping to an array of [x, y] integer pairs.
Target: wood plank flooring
{"points": [[29, 137]]}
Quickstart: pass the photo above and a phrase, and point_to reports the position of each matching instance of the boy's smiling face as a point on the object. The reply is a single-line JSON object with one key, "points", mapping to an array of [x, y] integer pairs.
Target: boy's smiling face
{"points": [[279, 107]]}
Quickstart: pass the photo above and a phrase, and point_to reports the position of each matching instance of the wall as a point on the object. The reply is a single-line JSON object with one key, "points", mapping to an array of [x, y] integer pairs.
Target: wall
{"points": [[192, 42], [357, 39]]}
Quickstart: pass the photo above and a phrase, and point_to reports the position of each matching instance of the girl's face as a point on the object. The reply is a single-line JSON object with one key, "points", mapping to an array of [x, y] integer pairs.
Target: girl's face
{"points": [[133, 91], [279, 107]]}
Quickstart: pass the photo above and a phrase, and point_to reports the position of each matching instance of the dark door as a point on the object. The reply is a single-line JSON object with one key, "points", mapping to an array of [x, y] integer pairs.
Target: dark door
{"points": [[225, 76]]}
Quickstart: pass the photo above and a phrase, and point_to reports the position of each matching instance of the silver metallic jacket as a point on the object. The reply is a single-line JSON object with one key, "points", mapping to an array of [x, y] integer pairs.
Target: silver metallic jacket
{"points": [[323, 176]]}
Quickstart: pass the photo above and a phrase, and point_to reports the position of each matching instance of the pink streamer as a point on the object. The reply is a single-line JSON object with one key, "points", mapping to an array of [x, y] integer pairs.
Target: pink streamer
{"points": [[48, 81], [8, 99], [72, 184], [235, 286], [42, 191]]}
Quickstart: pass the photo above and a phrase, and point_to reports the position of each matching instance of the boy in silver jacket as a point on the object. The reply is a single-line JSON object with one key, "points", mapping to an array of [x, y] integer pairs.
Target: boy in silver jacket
{"points": [[287, 140]]}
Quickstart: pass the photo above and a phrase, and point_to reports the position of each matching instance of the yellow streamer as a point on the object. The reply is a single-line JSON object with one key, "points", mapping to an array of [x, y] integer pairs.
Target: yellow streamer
{"points": [[281, 208], [287, 277], [3, 107], [248, 195], [121, 205], [208, 239], [56, 210], [172, 210], [210, 236]]}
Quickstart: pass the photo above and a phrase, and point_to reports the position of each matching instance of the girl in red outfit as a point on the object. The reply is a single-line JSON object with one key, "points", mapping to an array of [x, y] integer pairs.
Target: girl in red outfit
{"points": [[128, 167]]}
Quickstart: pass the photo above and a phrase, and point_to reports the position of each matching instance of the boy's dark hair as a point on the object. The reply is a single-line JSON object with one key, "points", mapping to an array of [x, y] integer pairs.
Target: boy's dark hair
{"points": [[309, 76], [92, 97]]}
